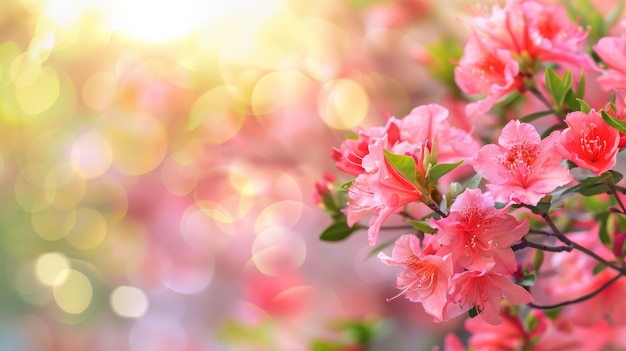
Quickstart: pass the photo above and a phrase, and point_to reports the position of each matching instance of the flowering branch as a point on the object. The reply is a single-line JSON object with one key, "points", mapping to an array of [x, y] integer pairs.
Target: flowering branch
{"points": [[580, 299], [525, 243], [578, 247]]}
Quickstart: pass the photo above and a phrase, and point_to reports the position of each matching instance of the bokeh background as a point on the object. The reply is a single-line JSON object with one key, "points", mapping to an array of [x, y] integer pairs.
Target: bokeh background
{"points": [[158, 161]]}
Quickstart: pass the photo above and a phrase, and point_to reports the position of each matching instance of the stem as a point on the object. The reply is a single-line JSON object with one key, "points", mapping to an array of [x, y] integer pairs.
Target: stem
{"points": [[437, 210], [525, 243], [543, 99], [542, 232], [395, 227], [580, 299], [617, 198], [578, 247]]}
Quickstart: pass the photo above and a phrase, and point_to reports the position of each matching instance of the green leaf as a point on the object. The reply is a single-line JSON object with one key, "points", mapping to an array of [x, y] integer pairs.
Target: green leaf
{"points": [[580, 92], [614, 14], [598, 268], [537, 259], [558, 87], [553, 312], [614, 122], [533, 116], [584, 107], [594, 185], [338, 231], [603, 232], [474, 182], [528, 280], [441, 169], [423, 226], [404, 164], [543, 206], [473, 312]]}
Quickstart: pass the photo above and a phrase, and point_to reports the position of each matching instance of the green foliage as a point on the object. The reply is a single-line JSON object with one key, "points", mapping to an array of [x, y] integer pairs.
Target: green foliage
{"points": [[339, 230], [595, 185], [473, 312], [533, 116], [441, 169], [474, 182], [423, 226], [603, 233], [614, 122], [444, 53], [558, 87], [584, 107], [404, 164]]}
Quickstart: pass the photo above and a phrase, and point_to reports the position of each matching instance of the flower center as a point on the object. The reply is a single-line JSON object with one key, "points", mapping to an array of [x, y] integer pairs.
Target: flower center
{"points": [[520, 158], [591, 144]]}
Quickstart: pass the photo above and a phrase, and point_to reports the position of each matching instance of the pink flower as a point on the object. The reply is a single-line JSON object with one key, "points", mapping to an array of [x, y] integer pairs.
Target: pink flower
{"points": [[479, 235], [522, 168], [589, 142], [510, 42], [612, 50], [349, 156], [541, 31], [425, 275], [432, 122], [483, 291], [512, 335], [486, 70], [382, 190]]}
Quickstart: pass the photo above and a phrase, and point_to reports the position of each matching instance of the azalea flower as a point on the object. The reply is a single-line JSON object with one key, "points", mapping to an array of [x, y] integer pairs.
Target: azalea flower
{"points": [[612, 51], [478, 235], [425, 275], [349, 156], [508, 44], [522, 168], [541, 31], [485, 70], [382, 190], [432, 122], [482, 291], [589, 142]]}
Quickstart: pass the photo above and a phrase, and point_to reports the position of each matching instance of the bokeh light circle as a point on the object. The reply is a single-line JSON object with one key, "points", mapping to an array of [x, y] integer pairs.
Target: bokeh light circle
{"points": [[218, 114], [128, 302], [342, 104], [91, 155], [277, 250], [72, 291], [49, 267]]}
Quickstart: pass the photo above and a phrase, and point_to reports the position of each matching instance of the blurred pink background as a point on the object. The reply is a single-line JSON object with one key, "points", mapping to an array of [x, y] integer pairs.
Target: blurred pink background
{"points": [[158, 161]]}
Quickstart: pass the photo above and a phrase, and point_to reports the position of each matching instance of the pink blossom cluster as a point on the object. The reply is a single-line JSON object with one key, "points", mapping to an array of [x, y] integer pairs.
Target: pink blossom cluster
{"points": [[466, 265], [507, 44], [467, 223], [378, 188]]}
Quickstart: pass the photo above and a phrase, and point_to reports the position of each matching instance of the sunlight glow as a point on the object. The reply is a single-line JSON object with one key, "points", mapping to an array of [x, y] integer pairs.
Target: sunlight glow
{"points": [[157, 20]]}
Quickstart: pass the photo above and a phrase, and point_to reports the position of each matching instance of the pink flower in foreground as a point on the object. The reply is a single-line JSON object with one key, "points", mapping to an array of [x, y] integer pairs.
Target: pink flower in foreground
{"points": [[432, 122], [479, 235], [483, 291], [349, 156], [425, 275], [486, 70], [382, 190], [589, 142], [522, 168], [612, 50]]}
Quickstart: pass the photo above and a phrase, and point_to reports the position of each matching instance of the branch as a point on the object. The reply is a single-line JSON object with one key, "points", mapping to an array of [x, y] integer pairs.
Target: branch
{"points": [[617, 198], [578, 247], [525, 243], [580, 299]]}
